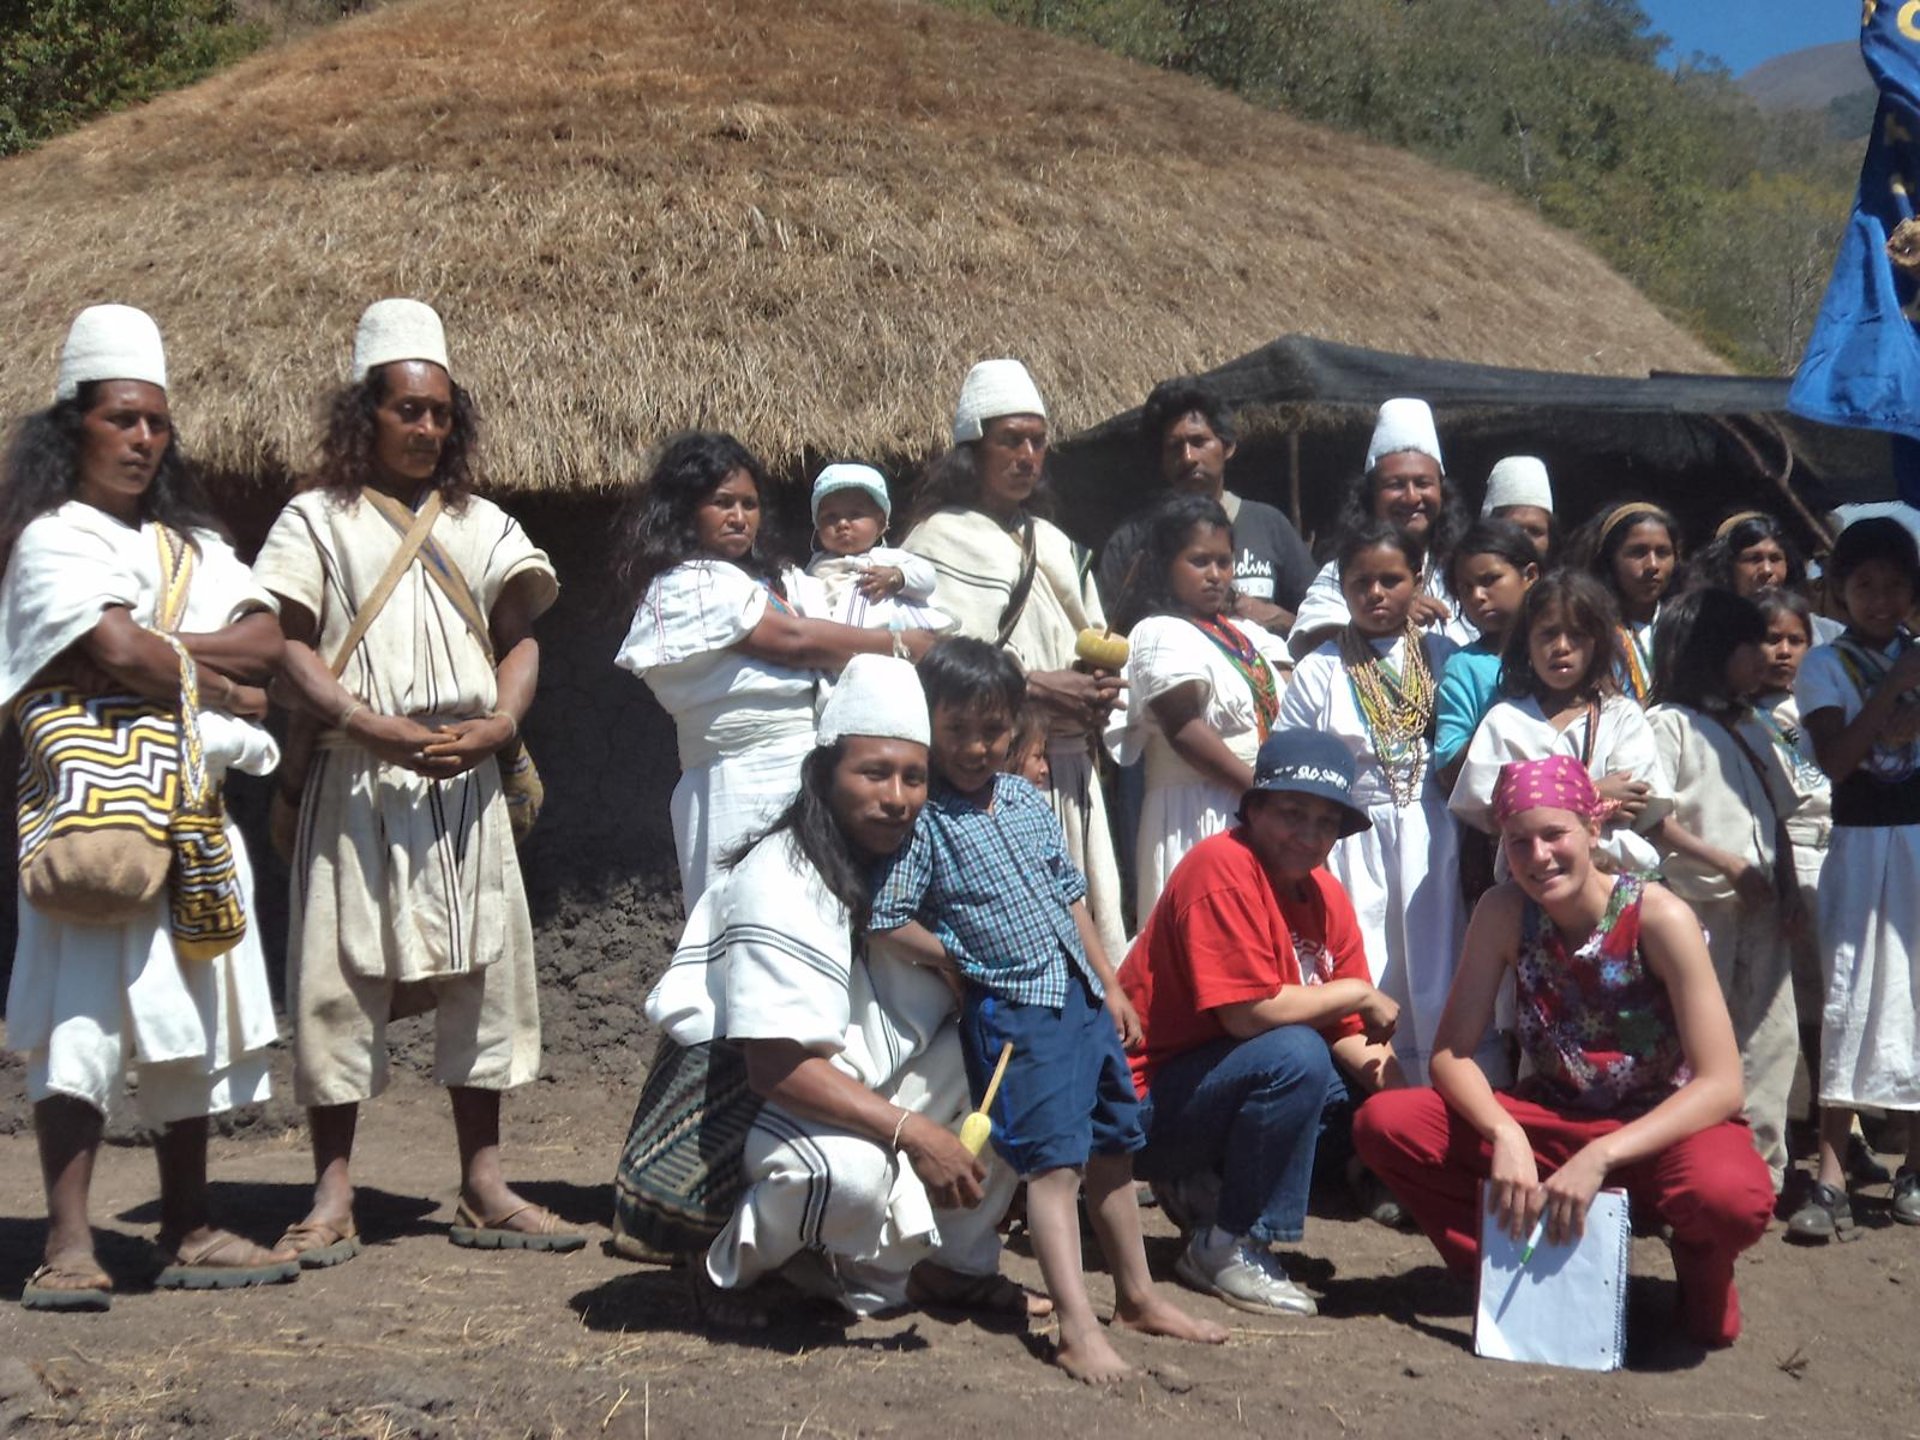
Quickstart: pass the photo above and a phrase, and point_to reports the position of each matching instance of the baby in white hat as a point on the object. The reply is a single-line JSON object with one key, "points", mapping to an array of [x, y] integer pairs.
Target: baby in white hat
{"points": [[857, 580]]}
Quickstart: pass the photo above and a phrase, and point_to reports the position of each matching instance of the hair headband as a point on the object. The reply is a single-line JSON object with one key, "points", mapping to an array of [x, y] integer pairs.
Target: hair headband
{"points": [[1726, 525], [1636, 507]]}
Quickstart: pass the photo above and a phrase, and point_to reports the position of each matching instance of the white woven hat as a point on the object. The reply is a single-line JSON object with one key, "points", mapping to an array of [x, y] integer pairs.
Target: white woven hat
{"points": [[877, 696], [994, 388], [852, 477], [110, 342], [1518, 480], [1404, 425], [393, 330]]}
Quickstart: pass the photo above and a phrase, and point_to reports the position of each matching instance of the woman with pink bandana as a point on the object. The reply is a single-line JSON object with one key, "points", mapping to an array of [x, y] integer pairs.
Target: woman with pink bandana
{"points": [[1634, 1080]]}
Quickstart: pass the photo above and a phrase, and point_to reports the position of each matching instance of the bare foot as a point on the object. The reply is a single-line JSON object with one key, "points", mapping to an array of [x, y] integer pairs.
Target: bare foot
{"points": [[1157, 1316], [1091, 1360]]}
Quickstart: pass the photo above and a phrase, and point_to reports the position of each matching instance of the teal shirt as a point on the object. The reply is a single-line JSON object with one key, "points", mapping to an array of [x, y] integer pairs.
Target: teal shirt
{"points": [[1468, 687]]}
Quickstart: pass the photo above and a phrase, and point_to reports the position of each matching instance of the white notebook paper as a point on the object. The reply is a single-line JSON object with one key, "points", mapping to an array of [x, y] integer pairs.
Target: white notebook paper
{"points": [[1568, 1304]]}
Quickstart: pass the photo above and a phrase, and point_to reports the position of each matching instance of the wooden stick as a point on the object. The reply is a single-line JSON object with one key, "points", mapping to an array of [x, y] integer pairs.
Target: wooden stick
{"points": [[999, 1074]]}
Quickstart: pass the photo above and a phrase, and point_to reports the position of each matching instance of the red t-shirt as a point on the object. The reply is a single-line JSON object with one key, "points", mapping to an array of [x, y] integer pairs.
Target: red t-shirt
{"points": [[1220, 936]]}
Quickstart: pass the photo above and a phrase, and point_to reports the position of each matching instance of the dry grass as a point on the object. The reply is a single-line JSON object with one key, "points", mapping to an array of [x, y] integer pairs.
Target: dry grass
{"points": [[800, 221]]}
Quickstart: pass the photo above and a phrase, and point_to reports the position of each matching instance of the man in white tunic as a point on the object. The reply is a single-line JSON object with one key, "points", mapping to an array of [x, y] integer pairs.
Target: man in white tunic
{"points": [[406, 888], [1014, 579], [92, 489], [857, 1189]]}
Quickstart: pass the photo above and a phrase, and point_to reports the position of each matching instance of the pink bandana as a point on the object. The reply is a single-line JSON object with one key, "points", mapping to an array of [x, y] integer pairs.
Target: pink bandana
{"points": [[1558, 782]]}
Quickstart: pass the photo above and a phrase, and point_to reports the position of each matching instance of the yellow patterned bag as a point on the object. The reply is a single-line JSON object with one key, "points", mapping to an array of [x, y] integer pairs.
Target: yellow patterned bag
{"points": [[209, 910]]}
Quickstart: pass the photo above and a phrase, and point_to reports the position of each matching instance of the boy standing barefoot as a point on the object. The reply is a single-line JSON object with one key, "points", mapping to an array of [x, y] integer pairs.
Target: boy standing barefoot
{"points": [[985, 889]]}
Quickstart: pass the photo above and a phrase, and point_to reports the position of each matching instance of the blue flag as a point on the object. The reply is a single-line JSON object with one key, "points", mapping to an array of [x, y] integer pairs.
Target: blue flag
{"points": [[1862, 363]]}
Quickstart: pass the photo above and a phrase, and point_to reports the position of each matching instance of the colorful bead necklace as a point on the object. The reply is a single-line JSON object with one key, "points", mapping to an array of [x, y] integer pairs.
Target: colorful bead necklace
{"points": [[1397, 708], [1252, 666]]}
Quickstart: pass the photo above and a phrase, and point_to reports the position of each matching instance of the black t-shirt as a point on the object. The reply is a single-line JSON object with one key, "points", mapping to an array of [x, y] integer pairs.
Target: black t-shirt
{"points": [[1270, 560]]}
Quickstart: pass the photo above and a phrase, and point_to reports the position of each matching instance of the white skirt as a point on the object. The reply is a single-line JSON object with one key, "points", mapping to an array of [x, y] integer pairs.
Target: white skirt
{"points": [[1870, 939], [1174, 819], [1403, 877], [717, 807]]}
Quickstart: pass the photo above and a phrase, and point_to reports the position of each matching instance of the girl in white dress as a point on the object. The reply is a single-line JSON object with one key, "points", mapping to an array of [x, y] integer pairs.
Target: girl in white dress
{"points": [[1857, 702], [1373, 688], [88, 486], [1724, 846], [1203, 690], [1634, 550], [1562, 698], [718, 641]]}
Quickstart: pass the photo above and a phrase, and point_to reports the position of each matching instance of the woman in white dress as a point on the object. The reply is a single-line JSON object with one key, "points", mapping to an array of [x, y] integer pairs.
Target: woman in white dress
{"points": [[719, 640], [89, 487], [1203, 690], [1858, 703], [1373, 688]]}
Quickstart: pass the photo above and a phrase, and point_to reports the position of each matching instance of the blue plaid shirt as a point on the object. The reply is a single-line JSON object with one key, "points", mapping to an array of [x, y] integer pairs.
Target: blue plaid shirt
{"points": [[996, 886]]}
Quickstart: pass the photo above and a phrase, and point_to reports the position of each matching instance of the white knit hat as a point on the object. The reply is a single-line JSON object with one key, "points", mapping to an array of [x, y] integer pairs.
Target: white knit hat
{"points": [[852, 477], [1518, 480], [110, 342], [393, 330], [1404, 425], [994, 388], [877, 696]]}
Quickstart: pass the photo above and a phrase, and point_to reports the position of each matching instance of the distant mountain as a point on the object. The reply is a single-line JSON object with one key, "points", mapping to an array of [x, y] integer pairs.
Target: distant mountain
{"points": [[1809, 79]]}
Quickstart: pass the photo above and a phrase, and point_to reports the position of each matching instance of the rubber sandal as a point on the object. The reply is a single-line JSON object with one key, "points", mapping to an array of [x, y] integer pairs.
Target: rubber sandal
{"points": [[68, 1288], [204, 1270], [476, 1234], [320, 1244]]}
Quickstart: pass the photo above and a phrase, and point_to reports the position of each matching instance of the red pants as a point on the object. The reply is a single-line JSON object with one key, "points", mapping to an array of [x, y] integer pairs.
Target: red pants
{"points": [[1712, 1188]]}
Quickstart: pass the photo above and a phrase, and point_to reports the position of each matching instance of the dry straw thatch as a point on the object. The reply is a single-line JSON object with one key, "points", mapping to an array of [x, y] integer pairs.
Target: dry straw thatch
{"points": [[801, 221]]}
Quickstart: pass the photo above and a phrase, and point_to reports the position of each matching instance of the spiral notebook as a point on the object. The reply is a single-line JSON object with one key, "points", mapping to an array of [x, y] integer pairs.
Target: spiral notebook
{"points": [[1567, 1304]]}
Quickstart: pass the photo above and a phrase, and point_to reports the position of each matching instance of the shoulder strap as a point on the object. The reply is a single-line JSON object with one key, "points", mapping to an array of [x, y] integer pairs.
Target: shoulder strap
{"points": [[443, 572], [176, 578], [1022, 587], [414, 536], [1593, 732]]}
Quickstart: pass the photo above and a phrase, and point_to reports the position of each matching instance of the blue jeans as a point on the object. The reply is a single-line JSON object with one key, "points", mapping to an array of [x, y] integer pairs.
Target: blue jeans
{"points": [[1255, 1111]]}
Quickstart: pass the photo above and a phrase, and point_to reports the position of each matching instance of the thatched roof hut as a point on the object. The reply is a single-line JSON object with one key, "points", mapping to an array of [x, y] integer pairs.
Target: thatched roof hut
{"points": [[798, 221]]}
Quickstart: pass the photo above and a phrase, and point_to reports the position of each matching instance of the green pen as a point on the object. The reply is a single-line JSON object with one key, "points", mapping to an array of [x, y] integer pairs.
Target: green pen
{"points": [[1539, 1229]]}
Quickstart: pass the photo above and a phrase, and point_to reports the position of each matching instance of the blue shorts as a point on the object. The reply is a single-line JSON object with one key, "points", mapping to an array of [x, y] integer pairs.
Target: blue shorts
{"points": [[1068, 1092]]}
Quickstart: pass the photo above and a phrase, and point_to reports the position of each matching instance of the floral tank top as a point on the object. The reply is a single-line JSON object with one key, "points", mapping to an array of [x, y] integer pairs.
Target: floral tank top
{"points": [[1596, 1024]]}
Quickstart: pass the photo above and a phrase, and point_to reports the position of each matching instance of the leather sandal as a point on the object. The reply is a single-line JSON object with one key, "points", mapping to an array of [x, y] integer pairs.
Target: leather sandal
{"points": [[547, 1232], [223, 1261], [68, 1287], [320, 1244]]}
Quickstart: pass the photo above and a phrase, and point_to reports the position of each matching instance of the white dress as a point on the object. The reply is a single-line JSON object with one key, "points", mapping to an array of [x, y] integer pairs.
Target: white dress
{"points": [[1869, 927], [84, 1000], [834, 593], [1518, 729], [743, 724], [1809, 815], [1403, 875], [1181, 807], [768, 955]]}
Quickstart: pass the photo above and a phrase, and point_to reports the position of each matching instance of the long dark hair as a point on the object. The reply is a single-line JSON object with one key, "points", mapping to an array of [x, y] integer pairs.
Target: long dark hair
{"points": [[41, 472], [1173, 520], [1692, 641], [845, 871], [953, 478], [655, 530], [1496, 537], [1588, 609], [1597, 543], [1714, 564], [345, 462], [1356, 512]]}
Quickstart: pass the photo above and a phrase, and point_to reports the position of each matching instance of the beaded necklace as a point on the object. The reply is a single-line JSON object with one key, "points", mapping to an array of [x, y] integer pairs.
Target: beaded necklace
{"points": [[1251, 665], [1638, 664], [1397, 708]]}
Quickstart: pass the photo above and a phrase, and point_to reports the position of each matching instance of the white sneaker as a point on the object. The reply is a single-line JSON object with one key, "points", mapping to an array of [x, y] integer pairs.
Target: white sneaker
{"points": [[1244, 1275]]}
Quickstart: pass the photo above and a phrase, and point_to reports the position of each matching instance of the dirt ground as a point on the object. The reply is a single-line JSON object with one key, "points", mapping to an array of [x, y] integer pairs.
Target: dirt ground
{"points": [[417, 1338]]}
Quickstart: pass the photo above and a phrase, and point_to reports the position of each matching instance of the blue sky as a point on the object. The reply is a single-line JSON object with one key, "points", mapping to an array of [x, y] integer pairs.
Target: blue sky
{"points": [[1745, 32]]}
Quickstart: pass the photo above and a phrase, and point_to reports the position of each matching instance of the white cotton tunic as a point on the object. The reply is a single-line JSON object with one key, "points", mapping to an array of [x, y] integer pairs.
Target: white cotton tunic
{"points": [[1869, 929], [834, 593], [1518, 729], [85, 999], [743, 724], [1403, 875], [978, 562], [768, 954], [1182, 807]]}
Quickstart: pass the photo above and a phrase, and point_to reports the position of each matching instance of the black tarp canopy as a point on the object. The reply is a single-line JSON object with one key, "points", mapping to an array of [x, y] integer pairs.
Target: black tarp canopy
{"points": [[1700, 444]]}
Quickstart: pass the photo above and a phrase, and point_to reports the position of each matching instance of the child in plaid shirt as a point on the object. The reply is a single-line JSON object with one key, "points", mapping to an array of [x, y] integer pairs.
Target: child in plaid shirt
{"points": [[985, 890]]}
